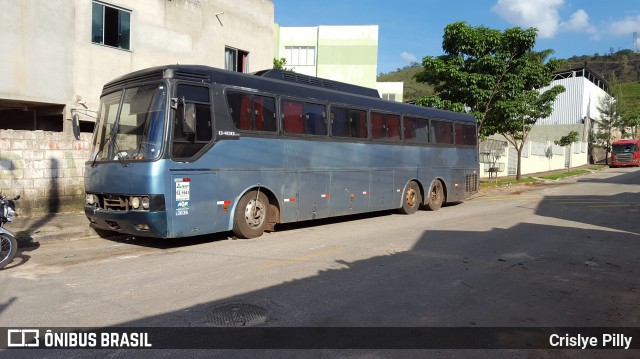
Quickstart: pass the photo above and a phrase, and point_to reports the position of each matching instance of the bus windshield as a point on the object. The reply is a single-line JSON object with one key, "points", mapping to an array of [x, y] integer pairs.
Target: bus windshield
{"points": [[130, 124], [623, 148]]}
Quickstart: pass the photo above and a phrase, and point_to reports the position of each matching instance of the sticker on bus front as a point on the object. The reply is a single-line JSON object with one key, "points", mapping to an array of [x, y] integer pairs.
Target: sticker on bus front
{"points": [[182, 208], [182, 189]]}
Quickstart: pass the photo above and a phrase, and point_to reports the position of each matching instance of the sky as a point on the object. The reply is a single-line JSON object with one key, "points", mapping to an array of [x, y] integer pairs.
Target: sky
{"points": [[408, 30]]}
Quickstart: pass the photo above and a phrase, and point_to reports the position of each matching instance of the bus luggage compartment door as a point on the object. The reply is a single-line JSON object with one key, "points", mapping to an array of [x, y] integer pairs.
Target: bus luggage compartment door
{"points": [[349, 192], [315, 196]]}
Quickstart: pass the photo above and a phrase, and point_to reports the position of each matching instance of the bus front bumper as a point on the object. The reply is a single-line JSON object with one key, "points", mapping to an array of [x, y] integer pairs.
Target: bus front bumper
{"points": [[139, 223]]}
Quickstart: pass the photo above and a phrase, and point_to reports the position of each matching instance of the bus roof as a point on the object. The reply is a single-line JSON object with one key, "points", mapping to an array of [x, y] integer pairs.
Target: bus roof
{"points": [[286, 84], [626, 142]]}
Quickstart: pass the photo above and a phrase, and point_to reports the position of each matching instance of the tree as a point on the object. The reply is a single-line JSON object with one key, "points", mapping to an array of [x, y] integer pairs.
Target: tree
{"points": [[629, 110], [568, 139], [280, 63], [496, 76], [517, 112], [480, 66], [608, 123]]}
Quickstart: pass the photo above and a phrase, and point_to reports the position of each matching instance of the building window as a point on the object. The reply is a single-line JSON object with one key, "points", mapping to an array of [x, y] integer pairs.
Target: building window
{"points": [[110, 26], [300, 55], [389, 96], [236, 60]]}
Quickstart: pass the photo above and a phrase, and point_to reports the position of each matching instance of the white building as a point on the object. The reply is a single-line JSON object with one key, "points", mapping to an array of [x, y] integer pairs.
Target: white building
{"points": [[574, 110]]}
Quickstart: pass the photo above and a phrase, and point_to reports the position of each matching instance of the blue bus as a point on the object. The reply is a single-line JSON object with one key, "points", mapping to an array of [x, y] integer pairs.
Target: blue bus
{"points": [[186, 150]]}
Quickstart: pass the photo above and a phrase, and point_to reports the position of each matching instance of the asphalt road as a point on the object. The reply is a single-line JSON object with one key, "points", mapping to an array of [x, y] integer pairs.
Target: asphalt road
{"points": [[563, 254]]}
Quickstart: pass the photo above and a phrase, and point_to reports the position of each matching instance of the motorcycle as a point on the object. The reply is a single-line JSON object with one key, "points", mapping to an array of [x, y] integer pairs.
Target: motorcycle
{"points": [[9, 244]]}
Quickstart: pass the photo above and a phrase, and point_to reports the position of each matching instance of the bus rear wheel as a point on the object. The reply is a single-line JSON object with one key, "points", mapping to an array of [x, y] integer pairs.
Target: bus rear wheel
{"points": [[411, 199], [436, 196], [250, 218]]}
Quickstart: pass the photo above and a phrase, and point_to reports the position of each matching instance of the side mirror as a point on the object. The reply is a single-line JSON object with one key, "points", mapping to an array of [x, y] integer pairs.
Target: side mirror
{"points": [[189, 118], [75, 123]]}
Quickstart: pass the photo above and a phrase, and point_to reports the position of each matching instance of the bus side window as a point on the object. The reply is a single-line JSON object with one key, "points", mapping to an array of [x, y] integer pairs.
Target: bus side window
{"points": [[185, 146], [409, 129], [416, 130], [339, 122], [378, 130], [315, 122], [245, 121], [265, 110], [468, 134], [292, 116], [358, 121], [252, 113], [442, 132], [393, 127], [458, 130]]}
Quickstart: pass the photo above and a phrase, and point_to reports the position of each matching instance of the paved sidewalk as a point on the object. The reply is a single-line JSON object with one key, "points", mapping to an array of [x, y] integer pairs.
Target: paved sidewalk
{"points": [[48, 228]]}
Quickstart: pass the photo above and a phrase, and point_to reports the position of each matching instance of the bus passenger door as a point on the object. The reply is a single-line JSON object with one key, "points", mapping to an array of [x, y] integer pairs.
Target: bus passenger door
{"points": [[194, 208], [382, 190], [290, 197], [314, 195]]}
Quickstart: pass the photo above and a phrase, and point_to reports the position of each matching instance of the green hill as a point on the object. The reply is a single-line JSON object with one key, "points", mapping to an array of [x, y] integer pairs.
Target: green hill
{"points": [[624, 64], [412, 89]]}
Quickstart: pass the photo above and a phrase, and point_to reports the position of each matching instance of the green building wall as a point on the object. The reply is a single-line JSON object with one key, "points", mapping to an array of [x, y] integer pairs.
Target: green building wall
{"points": [[343, 53]]}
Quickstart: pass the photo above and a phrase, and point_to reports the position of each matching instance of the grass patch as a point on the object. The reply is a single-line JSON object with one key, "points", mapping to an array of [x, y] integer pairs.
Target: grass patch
{"points": [[486, 183], [556, 176]]}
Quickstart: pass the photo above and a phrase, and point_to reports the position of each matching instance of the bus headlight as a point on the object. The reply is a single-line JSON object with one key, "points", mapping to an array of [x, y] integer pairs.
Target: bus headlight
{"points": [[91, 199], [135, 202], [145, 202]]}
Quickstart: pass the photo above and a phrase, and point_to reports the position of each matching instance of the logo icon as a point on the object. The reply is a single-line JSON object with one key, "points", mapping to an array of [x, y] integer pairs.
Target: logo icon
{"points": [[23, 338]]}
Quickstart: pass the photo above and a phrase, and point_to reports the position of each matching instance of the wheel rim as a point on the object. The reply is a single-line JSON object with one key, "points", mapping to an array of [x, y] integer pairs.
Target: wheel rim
{"points": [[5, 249], [411, 197], [254, 213], [435, 193]]}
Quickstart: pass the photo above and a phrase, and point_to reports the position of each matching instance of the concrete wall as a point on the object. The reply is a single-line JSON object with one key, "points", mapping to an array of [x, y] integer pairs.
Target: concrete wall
{"points": [[45, 168], [37, 41], [172, 31], [539, 154]]}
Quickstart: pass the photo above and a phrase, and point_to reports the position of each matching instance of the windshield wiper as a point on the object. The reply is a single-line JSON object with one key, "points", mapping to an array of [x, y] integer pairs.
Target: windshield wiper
{"points": [[95, 157], [121, 158]]}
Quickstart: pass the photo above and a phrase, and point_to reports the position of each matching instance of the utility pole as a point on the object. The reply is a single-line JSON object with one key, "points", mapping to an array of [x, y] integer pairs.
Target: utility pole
{"points": [[635, 41]]}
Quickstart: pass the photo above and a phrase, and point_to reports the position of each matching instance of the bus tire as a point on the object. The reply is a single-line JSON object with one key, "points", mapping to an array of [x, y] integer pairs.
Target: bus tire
{"points": [[251, 216], [411, 199], [436, 196]]}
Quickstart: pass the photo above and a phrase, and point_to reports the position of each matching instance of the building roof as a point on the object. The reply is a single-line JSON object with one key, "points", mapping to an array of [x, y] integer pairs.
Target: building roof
{"points": [[585, 72]]}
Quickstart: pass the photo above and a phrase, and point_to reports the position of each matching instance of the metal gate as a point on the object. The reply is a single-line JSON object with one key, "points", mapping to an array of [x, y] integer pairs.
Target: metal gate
{"points": [[513, 161]]}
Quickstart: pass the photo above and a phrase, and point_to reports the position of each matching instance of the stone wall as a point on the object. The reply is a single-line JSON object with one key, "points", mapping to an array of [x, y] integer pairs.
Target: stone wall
{"points": [[45, 168]]}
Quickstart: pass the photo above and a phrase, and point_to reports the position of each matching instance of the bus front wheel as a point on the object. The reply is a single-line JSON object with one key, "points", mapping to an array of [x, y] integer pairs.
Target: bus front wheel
{"points": [[250, 218], [411, 198], [436, 196]]}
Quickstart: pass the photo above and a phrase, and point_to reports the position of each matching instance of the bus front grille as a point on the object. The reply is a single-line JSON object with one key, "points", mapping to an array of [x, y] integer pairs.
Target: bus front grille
{"points": [[624, 157], [116, 202]]}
